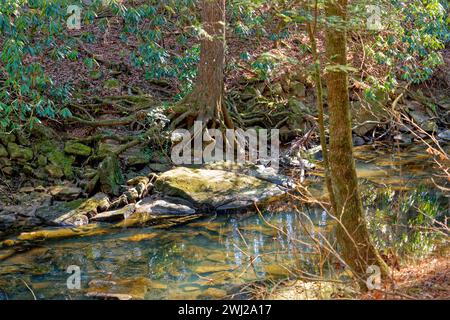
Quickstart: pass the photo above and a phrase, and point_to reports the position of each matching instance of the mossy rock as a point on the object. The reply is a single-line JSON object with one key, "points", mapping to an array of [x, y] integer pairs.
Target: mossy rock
{"points": [[41, 174], [18, 152], [6, 138], [42, 160], [28, 170], [105, 149], [22, 138], [139, 159], [216, 189], [110, 175], [8, 171], [298, 89], [298, 107], [43, 132], [54, 171], [3, 151], [276, 89], [5, 162], [77, 148], [60, 159], [46, 147]]}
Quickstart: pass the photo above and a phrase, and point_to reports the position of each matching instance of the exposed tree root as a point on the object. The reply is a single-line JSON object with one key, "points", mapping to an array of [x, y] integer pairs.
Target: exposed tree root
{"points": [[106, 123], [190, 109], [131, 105]]}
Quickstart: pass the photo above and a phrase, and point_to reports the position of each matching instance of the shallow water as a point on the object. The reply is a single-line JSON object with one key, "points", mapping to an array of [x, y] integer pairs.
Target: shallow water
{"points": [[205, 259], [181, 262]]}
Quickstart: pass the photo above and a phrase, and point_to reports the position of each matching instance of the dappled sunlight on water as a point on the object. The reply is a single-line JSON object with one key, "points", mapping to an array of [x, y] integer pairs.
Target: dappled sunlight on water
{"points": [[205, 259], [183, 262]]}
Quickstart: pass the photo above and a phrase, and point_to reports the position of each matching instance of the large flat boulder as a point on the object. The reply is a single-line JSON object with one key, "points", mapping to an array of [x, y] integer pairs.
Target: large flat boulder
{"points": [[217, 189]]}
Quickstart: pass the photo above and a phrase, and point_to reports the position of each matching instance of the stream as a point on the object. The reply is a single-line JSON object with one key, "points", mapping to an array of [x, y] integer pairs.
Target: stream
{"points": [[215, 257]]}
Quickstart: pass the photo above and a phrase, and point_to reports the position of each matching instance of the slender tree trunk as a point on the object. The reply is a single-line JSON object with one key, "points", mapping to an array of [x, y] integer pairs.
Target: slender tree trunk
{"points": [[312, 32], [352, 234], [206, 101]]}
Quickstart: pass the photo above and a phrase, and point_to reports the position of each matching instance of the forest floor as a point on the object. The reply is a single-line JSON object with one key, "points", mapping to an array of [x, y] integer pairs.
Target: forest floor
{"points": [[419, 279], [423, 279]]}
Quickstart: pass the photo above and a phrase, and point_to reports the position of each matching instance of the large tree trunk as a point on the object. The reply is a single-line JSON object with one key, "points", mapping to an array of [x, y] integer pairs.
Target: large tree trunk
{"points": [[206, 101], [353, 237]]}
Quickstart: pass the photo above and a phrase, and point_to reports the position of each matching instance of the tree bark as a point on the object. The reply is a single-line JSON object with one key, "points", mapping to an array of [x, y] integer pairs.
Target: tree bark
{"points": [[206, 101], [352, 234], [312, 32]]}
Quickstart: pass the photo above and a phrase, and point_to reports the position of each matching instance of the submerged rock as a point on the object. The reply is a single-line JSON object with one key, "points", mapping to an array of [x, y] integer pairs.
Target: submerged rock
{"points": [[212, 189], [120, 289], [62, 233], [140, 237], [213, 268], [213, 293]]}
